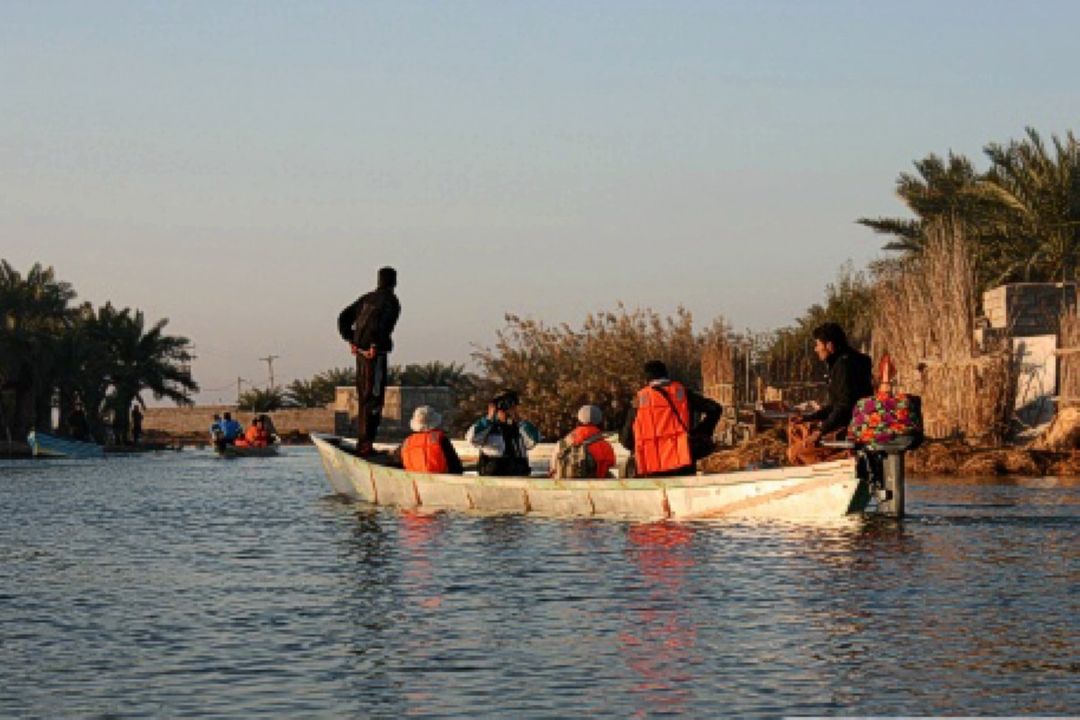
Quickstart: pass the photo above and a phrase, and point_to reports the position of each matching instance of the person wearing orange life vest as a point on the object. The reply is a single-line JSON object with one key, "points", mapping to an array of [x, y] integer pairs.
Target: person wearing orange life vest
{"points": [[589, 419], [428, 449], [256, 435], [668, 427]]}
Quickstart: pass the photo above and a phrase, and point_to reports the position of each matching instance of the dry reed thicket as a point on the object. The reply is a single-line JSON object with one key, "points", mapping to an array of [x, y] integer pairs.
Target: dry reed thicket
{"points": [[1063, 435], [925, 321], [1069, 365], [557, 369], [718, 366]]}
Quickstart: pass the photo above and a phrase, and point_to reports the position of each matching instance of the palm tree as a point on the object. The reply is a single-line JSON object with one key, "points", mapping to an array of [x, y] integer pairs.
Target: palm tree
{"points": [[433, 374], [1038, 196], [1022, 215], [258, 400], [82, 370], [328, 381], [306, 394], [140, 359], [33, 314], [320, 389], [941, 187]]}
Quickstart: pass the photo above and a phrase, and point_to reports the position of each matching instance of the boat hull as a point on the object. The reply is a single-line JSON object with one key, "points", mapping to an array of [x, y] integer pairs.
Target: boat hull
{"points": [[232, 451], [823, 491], [50, 446]]}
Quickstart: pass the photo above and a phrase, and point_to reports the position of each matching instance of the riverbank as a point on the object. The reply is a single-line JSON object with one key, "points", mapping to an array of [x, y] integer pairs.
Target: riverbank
{"points": [[951, 458], [175, 427]]}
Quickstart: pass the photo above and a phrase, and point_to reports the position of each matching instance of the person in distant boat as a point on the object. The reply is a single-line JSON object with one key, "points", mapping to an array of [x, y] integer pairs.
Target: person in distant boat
{"points": [[428, 449], [849, 379], [217, 432], [230, 429], [269, 427], [503, 437], [256, 435], [136, 423], [78, 426], [584, 453], [669, 427], [367, 325]]}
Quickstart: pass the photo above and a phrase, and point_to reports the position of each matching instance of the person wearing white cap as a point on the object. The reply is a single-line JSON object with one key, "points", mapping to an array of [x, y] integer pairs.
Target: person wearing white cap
{"points": [[584, 453], [428, 449]]}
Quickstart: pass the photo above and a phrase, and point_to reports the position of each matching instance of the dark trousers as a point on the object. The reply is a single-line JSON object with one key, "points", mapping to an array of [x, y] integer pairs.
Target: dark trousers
{"points": [[371, 395]]}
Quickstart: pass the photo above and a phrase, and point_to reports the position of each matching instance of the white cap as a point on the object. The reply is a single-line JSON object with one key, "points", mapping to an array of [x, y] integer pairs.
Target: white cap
{"points": [[590, 415], [425, 417]]}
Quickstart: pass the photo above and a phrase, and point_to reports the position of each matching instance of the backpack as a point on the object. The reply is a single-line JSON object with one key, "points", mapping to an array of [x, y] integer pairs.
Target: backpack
{"points": [[575, 461]]}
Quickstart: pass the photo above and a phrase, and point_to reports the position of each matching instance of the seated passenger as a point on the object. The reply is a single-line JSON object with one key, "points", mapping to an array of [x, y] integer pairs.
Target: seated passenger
{"points": [[268, 426], [428, 449], [584, 453], [256, 435], [503, 437], [669, 426], [230, 429], [217, 433]]}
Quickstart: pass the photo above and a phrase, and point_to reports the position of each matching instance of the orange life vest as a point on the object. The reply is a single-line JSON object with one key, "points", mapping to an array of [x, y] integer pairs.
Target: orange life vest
{"points": [[601, 450], [422, 452], [661, 440], [254, 437]]}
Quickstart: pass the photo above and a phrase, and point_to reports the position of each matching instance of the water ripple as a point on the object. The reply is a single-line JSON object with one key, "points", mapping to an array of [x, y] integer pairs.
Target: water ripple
{"points": [[181, 585]]}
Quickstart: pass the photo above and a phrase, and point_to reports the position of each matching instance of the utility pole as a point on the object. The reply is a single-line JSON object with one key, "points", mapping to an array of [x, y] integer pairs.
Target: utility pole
{"points": [[238, 381], [269, 360]]}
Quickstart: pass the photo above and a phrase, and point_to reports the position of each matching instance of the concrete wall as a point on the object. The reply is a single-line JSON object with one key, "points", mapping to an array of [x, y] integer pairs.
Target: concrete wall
{"points": [[1027, 316], [339, 418], [195, 421], [397, 410], [1028, 309]]}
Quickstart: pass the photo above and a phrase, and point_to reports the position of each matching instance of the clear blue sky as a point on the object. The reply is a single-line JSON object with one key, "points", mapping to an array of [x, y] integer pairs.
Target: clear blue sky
{"points": [[243, 168]]}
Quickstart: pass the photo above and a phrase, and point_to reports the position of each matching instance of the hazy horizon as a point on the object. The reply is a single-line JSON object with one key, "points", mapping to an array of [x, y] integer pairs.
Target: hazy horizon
{"points": [[243, 169]]}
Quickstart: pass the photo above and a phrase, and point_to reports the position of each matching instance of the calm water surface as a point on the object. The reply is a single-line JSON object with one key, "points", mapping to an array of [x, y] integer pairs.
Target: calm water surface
{"points": [[183, 585]]}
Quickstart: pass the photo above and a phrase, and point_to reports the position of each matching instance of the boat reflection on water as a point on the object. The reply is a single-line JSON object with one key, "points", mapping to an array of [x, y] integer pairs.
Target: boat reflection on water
{"points": [[418, 530], [422, 599], [658, 641]]}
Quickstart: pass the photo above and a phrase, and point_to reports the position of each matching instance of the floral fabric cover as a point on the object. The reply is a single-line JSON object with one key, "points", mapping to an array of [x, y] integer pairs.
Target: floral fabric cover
{"points": [[883, 417]]}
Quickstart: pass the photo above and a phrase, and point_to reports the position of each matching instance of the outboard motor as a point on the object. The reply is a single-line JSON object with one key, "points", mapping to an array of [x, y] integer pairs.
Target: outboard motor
{"points": [[885, 467], [882, 467], [885, 427]]}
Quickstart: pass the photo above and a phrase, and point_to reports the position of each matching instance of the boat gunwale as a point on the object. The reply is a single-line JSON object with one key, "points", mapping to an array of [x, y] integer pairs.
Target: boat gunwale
{"points": [[841, 469]]}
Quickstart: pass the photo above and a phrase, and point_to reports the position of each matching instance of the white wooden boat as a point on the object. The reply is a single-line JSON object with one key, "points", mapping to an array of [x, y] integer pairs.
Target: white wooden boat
{"points": [[823, 491], [46, 445]]}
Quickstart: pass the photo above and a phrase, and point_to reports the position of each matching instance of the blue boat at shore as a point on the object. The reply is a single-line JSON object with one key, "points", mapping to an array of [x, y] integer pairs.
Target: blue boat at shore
{"points": [[45, 445]]}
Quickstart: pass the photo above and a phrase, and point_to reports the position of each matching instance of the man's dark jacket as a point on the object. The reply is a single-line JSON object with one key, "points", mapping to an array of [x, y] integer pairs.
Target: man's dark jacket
{"points": [[371, 320], [850, 379]]}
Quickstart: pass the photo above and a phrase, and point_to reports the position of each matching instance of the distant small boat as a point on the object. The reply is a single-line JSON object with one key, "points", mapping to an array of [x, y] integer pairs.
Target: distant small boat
{"points": [[51, 446], [823, 491], [231, 451]]}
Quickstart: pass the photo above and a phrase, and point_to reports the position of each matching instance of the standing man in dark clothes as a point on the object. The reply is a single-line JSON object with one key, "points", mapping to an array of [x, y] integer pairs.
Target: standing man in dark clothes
{"points": [[849, 379], [136, 423], [78, 425], [669, 426], [367, 325]]}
